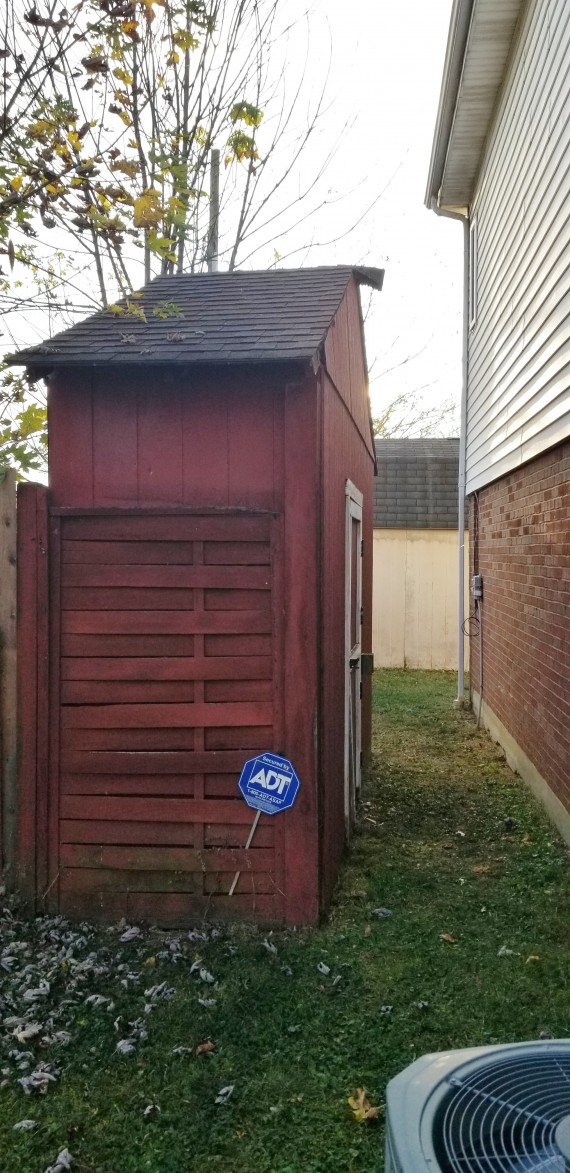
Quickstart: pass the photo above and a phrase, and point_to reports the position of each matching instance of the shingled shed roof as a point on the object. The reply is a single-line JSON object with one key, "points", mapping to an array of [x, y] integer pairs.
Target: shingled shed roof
{"points": [[416, 484], [275, 315]]}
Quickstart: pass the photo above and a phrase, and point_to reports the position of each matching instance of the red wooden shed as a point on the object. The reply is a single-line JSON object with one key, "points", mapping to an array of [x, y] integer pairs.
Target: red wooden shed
{"points": [[194, 588]]}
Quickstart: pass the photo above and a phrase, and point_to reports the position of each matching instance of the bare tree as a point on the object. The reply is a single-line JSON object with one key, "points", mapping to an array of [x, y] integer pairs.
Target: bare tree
{"points": [[407, 415], [109, 110]]}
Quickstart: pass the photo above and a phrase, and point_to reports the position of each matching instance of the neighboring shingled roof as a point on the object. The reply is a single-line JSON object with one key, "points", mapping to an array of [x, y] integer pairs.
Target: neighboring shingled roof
{"points": [[416, 484], [240, 317]]}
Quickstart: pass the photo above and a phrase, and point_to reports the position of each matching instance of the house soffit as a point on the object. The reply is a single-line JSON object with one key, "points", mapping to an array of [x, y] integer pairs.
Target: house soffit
{"points": [[480, 43]]}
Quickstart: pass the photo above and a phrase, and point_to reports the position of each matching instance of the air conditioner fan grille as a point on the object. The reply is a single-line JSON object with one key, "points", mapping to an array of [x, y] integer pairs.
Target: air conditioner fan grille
{"points": [[503, 1116]]}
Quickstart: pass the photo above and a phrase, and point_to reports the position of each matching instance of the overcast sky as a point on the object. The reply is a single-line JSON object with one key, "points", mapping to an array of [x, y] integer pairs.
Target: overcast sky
{"points": [[386, 70]]}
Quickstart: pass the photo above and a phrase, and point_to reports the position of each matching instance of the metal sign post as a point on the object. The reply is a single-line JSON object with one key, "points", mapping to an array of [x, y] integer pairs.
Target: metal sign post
{"points": [[269, 784]]}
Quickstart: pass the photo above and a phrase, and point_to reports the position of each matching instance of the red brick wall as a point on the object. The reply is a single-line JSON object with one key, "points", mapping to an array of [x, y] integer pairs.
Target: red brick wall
{"points": [[520, 543]]}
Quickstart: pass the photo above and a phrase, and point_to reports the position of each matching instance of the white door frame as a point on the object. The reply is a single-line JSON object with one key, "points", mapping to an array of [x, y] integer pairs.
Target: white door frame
{"points": [[352, 658]]}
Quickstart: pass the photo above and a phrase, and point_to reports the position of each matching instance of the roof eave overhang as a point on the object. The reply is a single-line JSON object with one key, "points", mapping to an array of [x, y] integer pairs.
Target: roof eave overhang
{"points": [[479, 46], [46, 368]]}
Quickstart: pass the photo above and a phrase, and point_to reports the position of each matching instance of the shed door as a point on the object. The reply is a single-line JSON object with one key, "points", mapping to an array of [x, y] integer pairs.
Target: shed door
{"points": [[167, 686], [353, 650]]}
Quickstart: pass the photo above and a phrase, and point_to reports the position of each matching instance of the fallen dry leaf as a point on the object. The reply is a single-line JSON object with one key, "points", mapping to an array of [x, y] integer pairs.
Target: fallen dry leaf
{"points": [[481, 868], [533, 957], [203, 1048], [367, 931], [361, 1106], [149, 961], [448, 937], [225, 1094], [525, 840]]}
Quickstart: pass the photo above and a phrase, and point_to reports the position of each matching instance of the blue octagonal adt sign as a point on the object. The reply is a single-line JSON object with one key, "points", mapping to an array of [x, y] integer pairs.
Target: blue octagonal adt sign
{"points": [[269, 783]]}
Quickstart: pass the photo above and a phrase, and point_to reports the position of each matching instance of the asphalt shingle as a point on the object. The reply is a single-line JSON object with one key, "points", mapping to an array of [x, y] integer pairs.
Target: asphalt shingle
{"points": [[275, 315], [416, 484]]}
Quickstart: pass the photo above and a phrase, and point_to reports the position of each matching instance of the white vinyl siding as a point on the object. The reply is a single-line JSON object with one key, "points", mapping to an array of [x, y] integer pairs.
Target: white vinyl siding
{"points": [[519, 347]]}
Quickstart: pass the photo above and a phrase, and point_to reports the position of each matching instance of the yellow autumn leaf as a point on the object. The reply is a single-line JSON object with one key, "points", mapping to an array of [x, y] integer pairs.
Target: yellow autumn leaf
{"points": [[147, 209], [135, 311], [124, 76], [129, 27], [184, 40], [116, 309], [361, 1106], [17, 182], [126, 167], [148, 8], [41, 128], [173, 57]]}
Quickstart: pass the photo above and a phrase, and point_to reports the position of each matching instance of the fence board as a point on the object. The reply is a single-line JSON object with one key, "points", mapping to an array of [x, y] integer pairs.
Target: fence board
{"points": [[8, 686], [166, 716], [32, 679], [167, 668], [81, 762], [75, 692], [168, 528], [164, 575], [157, 859], [163, 622], [146, 809], [149, 834]]}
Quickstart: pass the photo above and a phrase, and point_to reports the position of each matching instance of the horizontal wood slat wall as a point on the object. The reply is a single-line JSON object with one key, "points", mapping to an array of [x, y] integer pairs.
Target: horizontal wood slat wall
{"points": [[167, 685]]}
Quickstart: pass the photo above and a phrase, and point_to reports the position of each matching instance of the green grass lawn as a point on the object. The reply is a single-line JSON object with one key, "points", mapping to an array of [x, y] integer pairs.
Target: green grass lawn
{"points": [[433, 846]]}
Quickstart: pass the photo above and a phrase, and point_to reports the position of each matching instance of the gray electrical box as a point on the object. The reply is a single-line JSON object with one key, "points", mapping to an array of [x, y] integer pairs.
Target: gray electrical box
{"points": [[477, 586]]}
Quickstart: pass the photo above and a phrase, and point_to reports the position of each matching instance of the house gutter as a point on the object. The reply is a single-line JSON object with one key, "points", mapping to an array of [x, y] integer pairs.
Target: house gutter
{"points": [[459, 26]]}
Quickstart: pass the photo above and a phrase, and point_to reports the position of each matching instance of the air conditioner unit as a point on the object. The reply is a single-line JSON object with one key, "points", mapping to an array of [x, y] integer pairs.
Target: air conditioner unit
{"points": [[482, 1110]]}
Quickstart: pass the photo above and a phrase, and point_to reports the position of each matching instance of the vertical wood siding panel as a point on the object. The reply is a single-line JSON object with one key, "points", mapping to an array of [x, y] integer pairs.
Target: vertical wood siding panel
{"points": [[205, 432], [70, 440], [358, 373], [115, 480], [519, 351], [43, 658], [250, 447], [160, 444], [8, 671], [345, 361], [300, 827], [54, 668], [345, 456], [32, 678]]}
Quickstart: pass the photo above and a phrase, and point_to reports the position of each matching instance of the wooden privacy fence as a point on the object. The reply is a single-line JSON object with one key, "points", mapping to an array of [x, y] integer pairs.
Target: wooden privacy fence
{"points": [[8, 731], [24, 695]]}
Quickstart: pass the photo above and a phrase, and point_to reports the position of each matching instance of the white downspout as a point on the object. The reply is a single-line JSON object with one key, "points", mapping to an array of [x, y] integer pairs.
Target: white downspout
{"points": [[460, 698]]}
